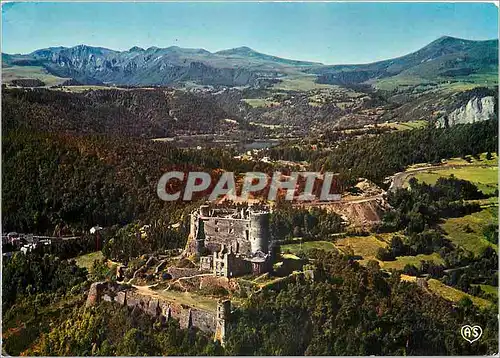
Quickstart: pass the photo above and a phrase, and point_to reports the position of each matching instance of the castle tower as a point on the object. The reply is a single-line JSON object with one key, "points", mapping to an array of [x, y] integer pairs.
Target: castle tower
{"points": [[223, 314], [205, 211], [259, 231], [193, 224], [200, 236]]}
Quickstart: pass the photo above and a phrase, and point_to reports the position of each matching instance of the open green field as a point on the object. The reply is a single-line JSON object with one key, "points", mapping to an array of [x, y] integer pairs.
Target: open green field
{"points": [[88, 260], [485, 178], [364, 246], [482, 160], [367, 247], [308, 246], [402, 261], [467, 231], [393, 82], [260, 102], [449, 293], [460, 83], [34, 72], [300, 82], [491, 290], [460, 161], [463, 83], [454, 295], [403, 126]]}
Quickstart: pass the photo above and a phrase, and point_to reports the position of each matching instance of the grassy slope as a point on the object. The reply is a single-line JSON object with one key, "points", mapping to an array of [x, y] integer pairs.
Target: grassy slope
{"points": [[187, 298], [457, 229], [300, 82], [460, 161], [447, 292], [492, 290], [405, 125], [455, 84], [367, 246], [402, 261], [364, 246], [35, 72], [307, 246], [486, 178], [453, 294], [87, 260]]}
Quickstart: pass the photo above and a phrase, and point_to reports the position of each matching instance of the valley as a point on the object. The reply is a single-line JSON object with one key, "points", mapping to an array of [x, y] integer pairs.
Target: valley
{"points": [[411, 245]]}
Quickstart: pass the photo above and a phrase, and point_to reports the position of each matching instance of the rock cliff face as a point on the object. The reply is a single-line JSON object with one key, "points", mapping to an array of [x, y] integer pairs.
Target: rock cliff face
{"points": [[477, 109]]}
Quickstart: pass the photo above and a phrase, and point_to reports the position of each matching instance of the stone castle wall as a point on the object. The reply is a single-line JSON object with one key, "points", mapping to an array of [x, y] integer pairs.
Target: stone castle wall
{"points": [[187, 316], [244, 232], [156, 307], [233, 233]]}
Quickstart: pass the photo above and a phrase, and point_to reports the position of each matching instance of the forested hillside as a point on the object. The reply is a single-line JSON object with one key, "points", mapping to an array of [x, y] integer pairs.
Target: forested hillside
{"points": [[146, 113], [76, 181], [351, 310], [345, 310]]}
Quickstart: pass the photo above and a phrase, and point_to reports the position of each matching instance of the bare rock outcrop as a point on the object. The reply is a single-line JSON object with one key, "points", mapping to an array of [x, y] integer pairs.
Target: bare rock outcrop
{"points": [[95, 292], [476, 110]]}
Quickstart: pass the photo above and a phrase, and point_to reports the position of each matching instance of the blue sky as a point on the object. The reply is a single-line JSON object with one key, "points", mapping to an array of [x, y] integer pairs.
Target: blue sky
{"points": [[331, 33]]}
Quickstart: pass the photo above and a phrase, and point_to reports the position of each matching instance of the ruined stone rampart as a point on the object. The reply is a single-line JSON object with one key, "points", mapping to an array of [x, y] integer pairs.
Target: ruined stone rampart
{"points": [[155, 307]]}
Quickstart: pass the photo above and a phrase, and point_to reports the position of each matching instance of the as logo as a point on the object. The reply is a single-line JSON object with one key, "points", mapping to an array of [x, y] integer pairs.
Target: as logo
{"points": [[471, 334]]}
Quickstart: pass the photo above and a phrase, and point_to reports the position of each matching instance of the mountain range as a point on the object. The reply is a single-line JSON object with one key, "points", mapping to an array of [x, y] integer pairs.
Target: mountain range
{"points": [[447, 57]]}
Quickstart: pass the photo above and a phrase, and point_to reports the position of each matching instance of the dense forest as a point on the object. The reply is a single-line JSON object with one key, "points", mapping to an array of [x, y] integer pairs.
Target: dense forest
{"points": [[145, 113], [76, 182], [287, 222], [424, 205]]}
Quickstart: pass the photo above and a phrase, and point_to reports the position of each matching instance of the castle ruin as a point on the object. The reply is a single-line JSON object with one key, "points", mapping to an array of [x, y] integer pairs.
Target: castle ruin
{"points": [[215, 323], [231, 242]]}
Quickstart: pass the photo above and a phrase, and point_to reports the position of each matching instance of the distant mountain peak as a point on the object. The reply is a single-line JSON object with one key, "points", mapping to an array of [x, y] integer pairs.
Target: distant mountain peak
{"points": [[188, 50], [446, 56], [450, 40], [242, 50], [136, 49]]}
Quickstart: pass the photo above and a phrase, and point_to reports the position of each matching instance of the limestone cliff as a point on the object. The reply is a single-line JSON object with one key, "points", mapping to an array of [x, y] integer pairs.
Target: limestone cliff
{"points": [[477, 109]]}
